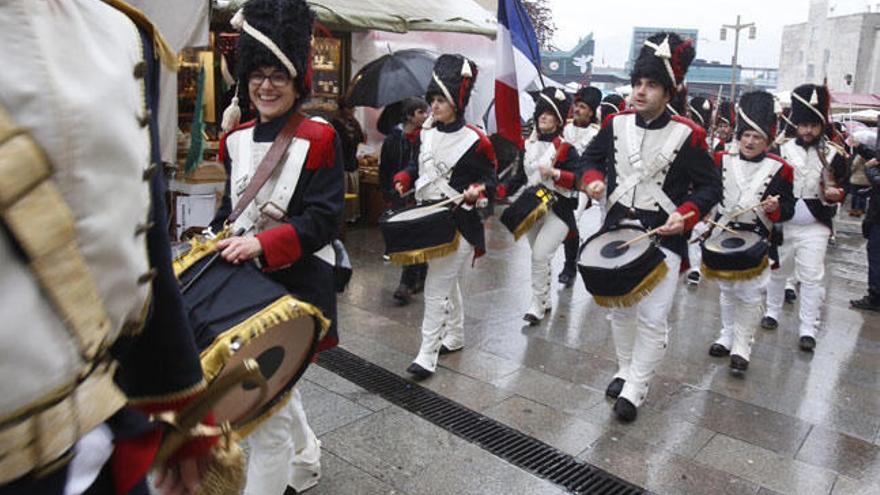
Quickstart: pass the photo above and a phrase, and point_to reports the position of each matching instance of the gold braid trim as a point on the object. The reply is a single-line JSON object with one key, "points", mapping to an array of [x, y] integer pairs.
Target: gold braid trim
{"points": [[529, 221], [199, 247], [160, 47], [644, 288], [286, 308], [180, 395], [418, 256], [736, 275]]}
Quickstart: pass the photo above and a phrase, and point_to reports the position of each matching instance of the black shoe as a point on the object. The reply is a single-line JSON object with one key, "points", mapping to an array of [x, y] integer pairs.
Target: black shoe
{"points": [[614, 388], [693, 278], [867, 303], [445, 350], [769, 323], [418, 287], [807, 343], [718, 350], [567, 278], [625, 410], [738, 365], [403, 294], [418, 372], [790, 296], [531, 319]]}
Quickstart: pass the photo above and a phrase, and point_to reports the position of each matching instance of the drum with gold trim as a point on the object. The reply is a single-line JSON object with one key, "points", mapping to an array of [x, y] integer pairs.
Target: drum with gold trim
{"points": [[238, 313], [742, 255], [417, 234], [528, 208]]}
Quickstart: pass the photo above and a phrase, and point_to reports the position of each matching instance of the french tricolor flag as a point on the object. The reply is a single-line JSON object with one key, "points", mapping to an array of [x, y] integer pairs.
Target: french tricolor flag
{"points": [[517, 65]]}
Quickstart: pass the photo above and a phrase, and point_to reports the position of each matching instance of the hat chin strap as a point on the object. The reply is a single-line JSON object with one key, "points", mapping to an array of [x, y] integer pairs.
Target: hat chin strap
{"points": [[445, 90], [238, 22], [808, 105], [752, 123], [555, 108], [664, 53], [697, 114]]}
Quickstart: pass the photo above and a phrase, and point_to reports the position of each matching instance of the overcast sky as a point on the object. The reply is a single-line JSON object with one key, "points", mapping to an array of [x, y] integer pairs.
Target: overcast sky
{"points": [[612, 21]]}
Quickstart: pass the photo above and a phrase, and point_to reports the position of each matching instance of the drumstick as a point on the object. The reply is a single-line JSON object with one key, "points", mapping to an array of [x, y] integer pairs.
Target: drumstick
{"points": [[716, 224], [759, 205], [208, 264], [650, 233]]}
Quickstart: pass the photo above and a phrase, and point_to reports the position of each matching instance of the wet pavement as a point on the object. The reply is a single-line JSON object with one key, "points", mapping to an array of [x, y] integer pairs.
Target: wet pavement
{"points": [[798, 423]]}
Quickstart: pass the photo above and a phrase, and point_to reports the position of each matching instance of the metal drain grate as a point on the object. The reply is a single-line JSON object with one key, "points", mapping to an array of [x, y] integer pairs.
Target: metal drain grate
{"points": [[507, 443]]}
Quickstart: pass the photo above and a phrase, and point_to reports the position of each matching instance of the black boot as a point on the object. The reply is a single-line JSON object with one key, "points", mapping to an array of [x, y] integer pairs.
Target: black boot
{"points": [[738, 365], [807, 343], [867, 303], [790, 296], [769, 323], [614, 388], [569, 271], [418, 372], [718, 350], [625, 410], [403, 294]]}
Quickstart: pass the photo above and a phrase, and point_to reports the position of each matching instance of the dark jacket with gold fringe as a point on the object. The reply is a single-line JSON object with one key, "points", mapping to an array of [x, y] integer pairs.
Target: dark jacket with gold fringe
{"points": [[313, 217], [476, 166]]}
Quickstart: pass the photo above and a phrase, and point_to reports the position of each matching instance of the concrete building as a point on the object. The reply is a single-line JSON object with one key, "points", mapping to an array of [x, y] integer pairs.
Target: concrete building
{"points": [[832, 47], [704, 78], [567, 66]]}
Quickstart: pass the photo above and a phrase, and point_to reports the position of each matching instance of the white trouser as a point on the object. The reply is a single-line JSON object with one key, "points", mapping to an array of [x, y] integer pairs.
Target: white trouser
{"points": [[443, 323], [740, 309], [641, 332], [545, 237], [583, 201], [803, 253], [283, 451], [695, 254]]}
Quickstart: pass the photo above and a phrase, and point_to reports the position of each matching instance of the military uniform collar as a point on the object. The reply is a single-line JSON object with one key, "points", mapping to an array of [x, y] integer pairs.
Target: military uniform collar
{"points": [[450, 128], [658, 123]]}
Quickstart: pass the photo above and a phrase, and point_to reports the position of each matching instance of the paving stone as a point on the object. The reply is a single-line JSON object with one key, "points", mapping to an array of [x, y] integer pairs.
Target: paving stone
{"points": [[845, 485], [777, 472], [345, 388], [341, 478], [403, 450], [479, 365], [757, 425], [662, 472], [843, 454], [551, 391], [565, 432], [327, 411]]}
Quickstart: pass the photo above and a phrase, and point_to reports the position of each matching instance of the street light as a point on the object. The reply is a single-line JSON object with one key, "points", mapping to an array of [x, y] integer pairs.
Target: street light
{"points": [[737, 28]]}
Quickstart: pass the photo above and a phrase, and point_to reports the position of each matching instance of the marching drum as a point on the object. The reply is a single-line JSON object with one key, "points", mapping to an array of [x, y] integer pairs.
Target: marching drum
{"points": [[619, 275], [739, 256], [419, 233], [238, 313], [529, 207]]}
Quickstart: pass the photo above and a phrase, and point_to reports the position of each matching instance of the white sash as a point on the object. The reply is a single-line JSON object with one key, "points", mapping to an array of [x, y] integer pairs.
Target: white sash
{"points": [[434, 171], [742, 191], [631, 170]]}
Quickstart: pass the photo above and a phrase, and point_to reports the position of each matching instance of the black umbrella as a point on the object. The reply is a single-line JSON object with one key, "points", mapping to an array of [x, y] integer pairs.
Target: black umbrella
{"points": [[391, 78]]}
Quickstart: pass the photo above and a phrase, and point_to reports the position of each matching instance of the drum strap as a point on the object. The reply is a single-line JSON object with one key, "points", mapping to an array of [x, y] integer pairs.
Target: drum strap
{"points": [[268, 165], [436, 173], [634, 171]]}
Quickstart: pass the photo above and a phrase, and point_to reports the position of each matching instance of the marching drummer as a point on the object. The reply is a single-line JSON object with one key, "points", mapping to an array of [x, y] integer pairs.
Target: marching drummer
{"points": [[455, 160], [580, 133], [658, 175], [549, 160], [290, 224], [751, 178]]}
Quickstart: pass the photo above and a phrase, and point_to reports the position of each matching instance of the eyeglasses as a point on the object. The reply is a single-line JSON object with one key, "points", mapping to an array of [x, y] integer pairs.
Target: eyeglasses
{"points": [[276, 79]]}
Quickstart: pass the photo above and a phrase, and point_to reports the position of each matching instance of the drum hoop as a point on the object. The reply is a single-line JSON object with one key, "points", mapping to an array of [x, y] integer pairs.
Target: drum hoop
{"points": [[286, 308], [199, 248], [705, 244], [388, 216]]}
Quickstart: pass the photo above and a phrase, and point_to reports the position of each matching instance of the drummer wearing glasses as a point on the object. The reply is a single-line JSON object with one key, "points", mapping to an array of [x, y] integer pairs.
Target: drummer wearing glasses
{"points": [[288, 227], [658, 175], [455, 161]]}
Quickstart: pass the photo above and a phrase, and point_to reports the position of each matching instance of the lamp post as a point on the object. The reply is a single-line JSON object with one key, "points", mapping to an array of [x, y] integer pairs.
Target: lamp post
{"points": [[737, 28]]}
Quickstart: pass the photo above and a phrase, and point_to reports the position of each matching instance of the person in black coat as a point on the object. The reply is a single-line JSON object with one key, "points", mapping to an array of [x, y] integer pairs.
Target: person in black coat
{"points": [[400, 149]]}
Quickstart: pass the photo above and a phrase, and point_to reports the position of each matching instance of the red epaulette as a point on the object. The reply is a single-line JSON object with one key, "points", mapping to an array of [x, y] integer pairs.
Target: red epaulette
{"points": [[607, 120], [562, 149], [698, 134], [485, 147], [321, 136], [787, 171], [221, 153]]}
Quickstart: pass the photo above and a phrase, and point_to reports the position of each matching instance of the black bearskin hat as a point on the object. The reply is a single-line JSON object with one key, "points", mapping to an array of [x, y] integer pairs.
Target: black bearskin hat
{"points": [[700, 110], [810, 104], [590, 96], [553, 100], [612, 104], [756, 113], [664, 53], [726, 113], [457, 75], [288, 23]]}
